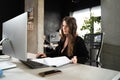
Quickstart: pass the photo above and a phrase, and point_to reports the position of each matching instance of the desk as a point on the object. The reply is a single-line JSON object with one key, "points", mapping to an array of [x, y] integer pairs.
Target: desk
{"points": [[69, 72]]}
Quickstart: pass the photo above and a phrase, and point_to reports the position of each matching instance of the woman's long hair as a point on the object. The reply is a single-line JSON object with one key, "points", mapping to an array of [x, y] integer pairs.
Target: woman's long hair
{"points": [[71, 23]]}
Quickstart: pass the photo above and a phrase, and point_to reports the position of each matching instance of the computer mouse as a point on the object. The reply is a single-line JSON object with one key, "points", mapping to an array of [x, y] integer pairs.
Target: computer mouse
{"points": [[1, 72], [38, 57]]}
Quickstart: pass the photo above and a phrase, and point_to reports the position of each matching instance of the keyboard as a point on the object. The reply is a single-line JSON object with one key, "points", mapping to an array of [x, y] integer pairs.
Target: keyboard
{"points": [[33, 64]]}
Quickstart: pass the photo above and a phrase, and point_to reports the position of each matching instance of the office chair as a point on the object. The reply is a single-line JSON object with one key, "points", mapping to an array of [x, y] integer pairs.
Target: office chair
{"points": [[94, 43]]}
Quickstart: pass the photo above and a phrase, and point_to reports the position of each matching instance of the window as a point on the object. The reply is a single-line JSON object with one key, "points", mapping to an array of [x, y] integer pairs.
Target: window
{"points": [[84, 14]]}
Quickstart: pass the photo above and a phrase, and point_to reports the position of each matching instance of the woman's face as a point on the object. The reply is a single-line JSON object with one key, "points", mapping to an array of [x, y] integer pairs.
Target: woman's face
{"points": [[65, 28]]}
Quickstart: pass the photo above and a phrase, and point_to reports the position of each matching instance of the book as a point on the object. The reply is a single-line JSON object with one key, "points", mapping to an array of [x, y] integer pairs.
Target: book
{"points": [[54, 61]]}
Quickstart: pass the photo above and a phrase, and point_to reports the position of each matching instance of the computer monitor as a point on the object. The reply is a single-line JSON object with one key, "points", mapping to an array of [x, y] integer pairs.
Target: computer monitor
{"points": [[14, 37]]}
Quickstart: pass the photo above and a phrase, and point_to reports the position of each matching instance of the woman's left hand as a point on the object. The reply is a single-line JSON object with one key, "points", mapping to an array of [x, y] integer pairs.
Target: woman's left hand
{"points": [[74, 59]]}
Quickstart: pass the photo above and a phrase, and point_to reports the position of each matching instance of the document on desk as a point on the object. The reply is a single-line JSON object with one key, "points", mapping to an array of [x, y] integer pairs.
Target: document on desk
{"points": [[7, 65], [55, 61]]}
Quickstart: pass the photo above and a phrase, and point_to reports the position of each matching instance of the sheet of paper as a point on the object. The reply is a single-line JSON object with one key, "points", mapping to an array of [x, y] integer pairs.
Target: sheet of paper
{"points": [[7, 65]]}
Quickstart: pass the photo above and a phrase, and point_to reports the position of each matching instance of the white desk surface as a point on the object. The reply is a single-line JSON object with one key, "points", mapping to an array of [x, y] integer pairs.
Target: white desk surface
{"points": [[69, 72]]}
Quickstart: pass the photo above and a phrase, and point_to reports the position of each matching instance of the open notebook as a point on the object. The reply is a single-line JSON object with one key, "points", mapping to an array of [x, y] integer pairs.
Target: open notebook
{"points": [[55, 61]]}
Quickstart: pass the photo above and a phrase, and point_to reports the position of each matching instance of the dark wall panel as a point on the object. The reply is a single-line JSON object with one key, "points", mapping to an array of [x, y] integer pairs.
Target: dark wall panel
{"points": [[55, 10], [10, 9]]}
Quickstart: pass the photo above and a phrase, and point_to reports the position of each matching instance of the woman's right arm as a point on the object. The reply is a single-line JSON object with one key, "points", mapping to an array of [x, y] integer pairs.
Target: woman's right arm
{"points": [[53, 53]]}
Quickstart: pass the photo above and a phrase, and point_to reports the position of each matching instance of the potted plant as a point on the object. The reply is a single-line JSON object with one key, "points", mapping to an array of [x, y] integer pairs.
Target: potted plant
{"points": [[89, 23]]}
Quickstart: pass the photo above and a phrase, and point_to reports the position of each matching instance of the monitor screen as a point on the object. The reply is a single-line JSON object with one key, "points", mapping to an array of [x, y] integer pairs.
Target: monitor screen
{"points": [[15, 37]]}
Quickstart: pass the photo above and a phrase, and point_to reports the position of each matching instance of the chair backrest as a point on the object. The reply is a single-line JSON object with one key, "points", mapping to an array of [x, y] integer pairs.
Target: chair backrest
{"points": [[94, 44]]}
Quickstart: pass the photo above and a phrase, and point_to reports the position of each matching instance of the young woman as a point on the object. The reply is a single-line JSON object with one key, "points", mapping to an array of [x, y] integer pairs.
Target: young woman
{"points": [[70, 44]]}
